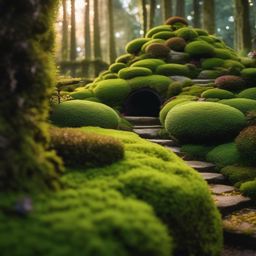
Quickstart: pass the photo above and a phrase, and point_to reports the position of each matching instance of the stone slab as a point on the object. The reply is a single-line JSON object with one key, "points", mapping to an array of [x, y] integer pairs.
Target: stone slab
{"points": [[213, 178], [201, 166], [163, 142], [143, 120], [147, 127], [220, 188], [147, 133], [202, 81], [176, 150]]}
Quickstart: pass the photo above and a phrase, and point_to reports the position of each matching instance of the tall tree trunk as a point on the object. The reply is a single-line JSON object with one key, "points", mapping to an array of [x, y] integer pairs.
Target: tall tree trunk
{"points": [[144, 16], [73, 32], [209, 15], [152, 8], [242, 26], [27, 80], [96, 31], [112, 42], [64, 45], [167, 8], [87, 31], [197, 13], [180, 8]]}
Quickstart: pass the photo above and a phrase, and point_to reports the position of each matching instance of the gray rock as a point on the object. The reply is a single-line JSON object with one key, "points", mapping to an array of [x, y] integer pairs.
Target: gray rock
{"points": [[147, 133], [143, 120], [165, 143], [213, 178], [201, 166], [220, 188]]}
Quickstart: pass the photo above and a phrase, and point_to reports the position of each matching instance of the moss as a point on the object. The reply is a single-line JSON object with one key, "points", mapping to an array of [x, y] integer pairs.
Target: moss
{"points": [[115, 67], [112, 92], [249, 93], [204, 122], [217, 93], [160, 41], [194, 151], [82, 94], [94, 99], [78, 149], [157, 82], [248, 62], [171, 104], [222, 54], [77, 113], [244, 105], [149, 63], [176, 44], [249, 73], [210, 74], [163, 35], [135, 45], [201, 32], [233, 64], [174, 89], [195, 90], [230, 82], [223, 155], [211, 63], [124, 125], [249, 188], [158, 29], [125, 58], [176, 19], [173, 70], [131, 72], [110, 76], [246, 144], [199, 49], [239, 174], [157, 50], [186, 33]]}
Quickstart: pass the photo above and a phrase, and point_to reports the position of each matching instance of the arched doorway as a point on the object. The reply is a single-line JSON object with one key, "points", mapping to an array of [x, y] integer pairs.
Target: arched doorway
{"points": [[142, 102]]}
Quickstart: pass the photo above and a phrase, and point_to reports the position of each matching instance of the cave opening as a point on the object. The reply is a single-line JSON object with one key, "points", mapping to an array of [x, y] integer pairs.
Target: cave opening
{"points": [[142, 102]]}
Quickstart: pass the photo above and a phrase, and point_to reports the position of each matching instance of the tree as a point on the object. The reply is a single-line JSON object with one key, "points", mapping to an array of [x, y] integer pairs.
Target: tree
{"points": [[96, 31], [73, 54], [180, 8], [242, 26], [27, 78], [167, 8], [209, 15], [144, 16], [197, 13], [64, 45], [112, 43], [87, 31], [152, 8]]}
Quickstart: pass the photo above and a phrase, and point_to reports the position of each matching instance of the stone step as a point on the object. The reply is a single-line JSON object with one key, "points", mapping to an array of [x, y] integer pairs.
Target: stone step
{"points": [[201, 166], [143, 120], [229, 203], [149, 133], [203, 81], [213, 178], [176, 150], [147, 127], [218, 189], [163, 142]]}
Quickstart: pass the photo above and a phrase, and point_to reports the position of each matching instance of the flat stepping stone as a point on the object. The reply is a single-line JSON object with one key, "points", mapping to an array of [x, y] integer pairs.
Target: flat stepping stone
{"points": [[230, 203], [147, 127], [165, 143], [176, 150], [220, 188], [201, 166], [143, 120], [147, 133], [213, 178]]}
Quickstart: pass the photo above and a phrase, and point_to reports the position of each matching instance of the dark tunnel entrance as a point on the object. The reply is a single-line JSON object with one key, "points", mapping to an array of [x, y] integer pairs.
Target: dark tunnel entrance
{"points": [[142, 102]]}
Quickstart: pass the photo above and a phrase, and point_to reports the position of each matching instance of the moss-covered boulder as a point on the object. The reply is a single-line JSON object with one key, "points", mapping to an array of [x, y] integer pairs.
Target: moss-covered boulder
{"points": [[204, 122], [78, 113], [176, 44], [82, 94], [159, 41], [151, 64], [217, 94], [210, 74], [176, 20], [211, 63], [158, 50], [249, 93], [173, 70], [113, 91], [196, 151], [223, 54], [199, 49], [187, 33], [115, 67], [233, 64], [164, 35], [244, 105], [249, 74], [158, 29], [230, 82], [130, 72], [249, 188], [135, 45], [125, 58]]}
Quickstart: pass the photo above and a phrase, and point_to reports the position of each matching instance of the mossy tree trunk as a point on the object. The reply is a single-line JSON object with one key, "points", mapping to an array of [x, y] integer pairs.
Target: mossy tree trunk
{"points": [[144, 16], [96, 31], [87, 31], [152, 9], [242, 26], [208, 12], [180, 8], [111, 31], [64, 46], [197, 14], [73, 54], [167, 6], [27, 79]]}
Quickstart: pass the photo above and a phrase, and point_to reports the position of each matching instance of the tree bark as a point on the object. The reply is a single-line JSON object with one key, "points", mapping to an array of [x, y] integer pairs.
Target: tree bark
{"points": [[152, 8], [167, 7], [96, 31], [197, 14], [64, 46], [27, 80], [144, 16], [180, 8], [87, 31], [242, 26], [73, 54], [112, 42], [209, 15]]}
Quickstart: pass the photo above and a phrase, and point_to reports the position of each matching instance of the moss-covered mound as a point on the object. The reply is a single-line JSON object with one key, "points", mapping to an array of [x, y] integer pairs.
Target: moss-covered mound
{"points": [[249, 188], [249, 73], [199, 49], [112, 91], [204, 122], [187, 33], [157, 50], [172, 70], [195, 151], [249, 93], [176, 44], [244, 105], [135, 45], [217, 94], [211, 63], [77, 113], [158, 29], [151, 64], [81, 94], [115, 67], [230, 82], [128, 73]]}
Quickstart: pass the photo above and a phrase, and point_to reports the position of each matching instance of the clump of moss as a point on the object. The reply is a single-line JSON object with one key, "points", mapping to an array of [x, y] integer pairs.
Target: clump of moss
{"points": [[82, 94], [249, 93], [174, 89], [223, 54], [217, 93], [210, 74], [244, 105], [249, 73], [130, 72], [158, 29], [233, 64], [164, 35], [187, 33], [151, 64], [159, 41], [110, 76], [77, 148], [135, 45], [77, 113], [172, 70], [115, 67], [125, 58], [158, 50], [204, 122], [201, 32], [199, 49], [211, 63], [249, 188], [194, 151], [195, 90], [176, 44], [230, 82], [176, 20]]}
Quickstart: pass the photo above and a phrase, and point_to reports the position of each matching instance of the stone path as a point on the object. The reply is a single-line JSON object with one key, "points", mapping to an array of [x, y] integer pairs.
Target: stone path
{"points": [[226, 197]]}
